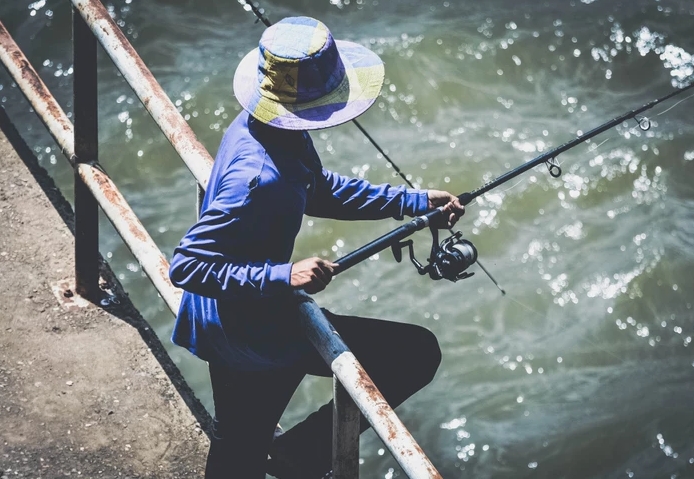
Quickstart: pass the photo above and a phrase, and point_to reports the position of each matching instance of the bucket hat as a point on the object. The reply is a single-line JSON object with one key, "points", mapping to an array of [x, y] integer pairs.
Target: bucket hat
{"points": [[301, 78]]}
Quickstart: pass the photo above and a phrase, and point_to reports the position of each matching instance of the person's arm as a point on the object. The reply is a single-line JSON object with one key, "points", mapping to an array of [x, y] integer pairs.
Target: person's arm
{"points": [[340, 197], [204, 264], [344, 198]]}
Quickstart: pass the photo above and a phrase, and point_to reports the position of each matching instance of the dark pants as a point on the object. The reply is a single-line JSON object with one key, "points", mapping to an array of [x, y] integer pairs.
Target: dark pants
{"points": [[400, 358]]}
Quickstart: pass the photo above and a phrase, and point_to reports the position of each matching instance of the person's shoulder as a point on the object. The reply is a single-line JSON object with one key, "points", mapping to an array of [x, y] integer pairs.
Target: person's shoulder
{"points": [[238, 141], [238, 151]]}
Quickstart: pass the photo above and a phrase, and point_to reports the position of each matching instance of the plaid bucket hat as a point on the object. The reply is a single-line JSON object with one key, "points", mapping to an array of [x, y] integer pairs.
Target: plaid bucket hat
{"points": [[300, 78]]}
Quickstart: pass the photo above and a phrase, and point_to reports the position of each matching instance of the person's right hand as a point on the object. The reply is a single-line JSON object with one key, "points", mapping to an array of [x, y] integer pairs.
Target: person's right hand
{"points": [[312, 274]]}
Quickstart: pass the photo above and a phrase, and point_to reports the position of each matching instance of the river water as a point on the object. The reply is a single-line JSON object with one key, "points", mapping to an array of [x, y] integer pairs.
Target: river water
{"points": [[585, 369]]}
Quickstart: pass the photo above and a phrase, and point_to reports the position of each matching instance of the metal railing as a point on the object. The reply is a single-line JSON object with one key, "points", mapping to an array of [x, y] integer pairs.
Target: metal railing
{"points": [[354, 391]]}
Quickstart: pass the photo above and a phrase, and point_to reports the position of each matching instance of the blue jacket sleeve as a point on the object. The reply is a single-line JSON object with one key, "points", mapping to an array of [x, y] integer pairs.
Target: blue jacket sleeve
{"points": [[204, 263], [344, 198]]}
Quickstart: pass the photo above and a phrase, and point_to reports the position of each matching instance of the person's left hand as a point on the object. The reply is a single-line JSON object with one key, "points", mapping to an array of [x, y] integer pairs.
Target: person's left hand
{"points": [[452, 208]]}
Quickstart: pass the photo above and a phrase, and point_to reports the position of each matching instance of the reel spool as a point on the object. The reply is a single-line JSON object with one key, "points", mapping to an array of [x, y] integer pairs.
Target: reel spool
{"points": [[448, 260]]}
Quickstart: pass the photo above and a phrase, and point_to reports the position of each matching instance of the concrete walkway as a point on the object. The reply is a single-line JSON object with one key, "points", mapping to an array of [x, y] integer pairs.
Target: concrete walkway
{"points": [[83, 392]]}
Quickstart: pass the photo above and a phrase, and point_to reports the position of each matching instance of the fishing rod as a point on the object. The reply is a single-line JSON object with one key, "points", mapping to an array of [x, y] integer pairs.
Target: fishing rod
{"points": [[454, 255]]}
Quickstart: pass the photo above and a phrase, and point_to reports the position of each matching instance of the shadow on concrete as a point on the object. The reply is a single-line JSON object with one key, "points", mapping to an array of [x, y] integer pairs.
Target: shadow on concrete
{"points": [[118, 302]]}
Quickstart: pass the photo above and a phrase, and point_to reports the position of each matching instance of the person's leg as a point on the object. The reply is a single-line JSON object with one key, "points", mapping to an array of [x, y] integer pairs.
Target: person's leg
{"points": [[248, 406], [400, 358]]}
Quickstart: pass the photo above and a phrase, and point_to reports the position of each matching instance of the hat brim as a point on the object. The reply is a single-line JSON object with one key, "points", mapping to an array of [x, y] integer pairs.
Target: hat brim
{"points": [[358, 90]]}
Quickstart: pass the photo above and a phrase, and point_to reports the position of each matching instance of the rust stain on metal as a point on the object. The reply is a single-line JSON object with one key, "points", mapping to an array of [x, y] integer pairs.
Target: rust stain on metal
{"points": [[64, 291], [38, 92], [164, 268], [114, 197], [433, 473], [382, 408], [137, 231], [365, 383], [37, 86], [106, 187]]}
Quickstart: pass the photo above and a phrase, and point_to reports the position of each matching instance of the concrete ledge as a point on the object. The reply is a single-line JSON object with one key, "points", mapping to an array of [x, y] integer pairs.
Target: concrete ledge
{"points": [[83, 391]]}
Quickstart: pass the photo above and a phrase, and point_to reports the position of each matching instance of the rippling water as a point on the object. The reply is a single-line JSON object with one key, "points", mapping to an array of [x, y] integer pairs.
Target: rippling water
{"points": [[585, 369]]}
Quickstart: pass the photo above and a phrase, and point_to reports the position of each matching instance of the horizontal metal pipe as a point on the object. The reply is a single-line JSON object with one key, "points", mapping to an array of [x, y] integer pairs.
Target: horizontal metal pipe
{"points": [[362, 389], [117, 210], [146, 87]]}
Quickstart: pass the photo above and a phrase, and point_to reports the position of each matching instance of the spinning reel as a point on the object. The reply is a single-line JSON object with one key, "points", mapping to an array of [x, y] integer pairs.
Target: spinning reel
{"points": [[447, 260]]}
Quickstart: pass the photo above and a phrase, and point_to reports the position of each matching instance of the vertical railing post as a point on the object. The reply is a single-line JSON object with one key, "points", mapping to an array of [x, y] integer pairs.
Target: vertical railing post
{"points": [[86, 151], [346, 419]]}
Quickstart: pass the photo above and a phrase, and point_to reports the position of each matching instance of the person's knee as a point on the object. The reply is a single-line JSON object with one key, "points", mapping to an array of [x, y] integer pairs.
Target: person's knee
{"points": [[429, 357], [423, 359]]}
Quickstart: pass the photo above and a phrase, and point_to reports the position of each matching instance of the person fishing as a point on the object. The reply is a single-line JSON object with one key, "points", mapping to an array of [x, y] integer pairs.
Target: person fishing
{"points": [[238, 311]]}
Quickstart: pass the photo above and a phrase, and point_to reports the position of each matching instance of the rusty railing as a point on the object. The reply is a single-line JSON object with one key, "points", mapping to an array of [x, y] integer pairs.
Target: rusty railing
{"points": [[354, 391]]}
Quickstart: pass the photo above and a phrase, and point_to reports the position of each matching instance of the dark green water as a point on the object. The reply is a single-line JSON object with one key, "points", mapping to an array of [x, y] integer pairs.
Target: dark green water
{"points": [[585, 369]]}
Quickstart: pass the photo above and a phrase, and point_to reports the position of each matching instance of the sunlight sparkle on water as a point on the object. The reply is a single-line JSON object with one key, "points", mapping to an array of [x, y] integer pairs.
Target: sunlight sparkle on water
{"points": [[573, 231], [575, 184], [536, 146], [666, 448], [606, 288], [466, 452], [454, 423]]}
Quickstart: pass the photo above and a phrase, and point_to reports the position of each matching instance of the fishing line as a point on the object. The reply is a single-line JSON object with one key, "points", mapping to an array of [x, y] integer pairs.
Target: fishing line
{"points": [[673, 106], [512, 187], [594, 147], [537, 314], [563, 329]]}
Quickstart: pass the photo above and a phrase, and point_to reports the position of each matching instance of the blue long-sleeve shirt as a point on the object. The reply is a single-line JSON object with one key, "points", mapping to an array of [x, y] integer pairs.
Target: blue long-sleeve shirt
{"points": [[234, 263]]}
